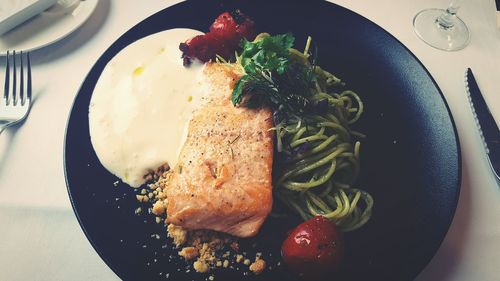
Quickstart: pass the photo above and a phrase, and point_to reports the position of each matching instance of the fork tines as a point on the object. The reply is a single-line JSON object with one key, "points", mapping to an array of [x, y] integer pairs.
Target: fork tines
{"points": [[13, 91]]}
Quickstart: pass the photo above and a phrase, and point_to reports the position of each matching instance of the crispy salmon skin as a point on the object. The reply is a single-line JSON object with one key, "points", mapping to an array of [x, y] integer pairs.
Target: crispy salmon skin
{"points": [[223, 179]]}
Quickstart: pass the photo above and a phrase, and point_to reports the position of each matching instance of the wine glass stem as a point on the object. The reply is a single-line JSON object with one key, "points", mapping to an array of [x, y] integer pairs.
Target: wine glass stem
{"points": [[447, 19]]}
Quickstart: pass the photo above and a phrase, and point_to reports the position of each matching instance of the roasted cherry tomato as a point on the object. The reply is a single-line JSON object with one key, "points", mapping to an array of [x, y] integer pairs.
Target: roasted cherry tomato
{"points": [[223, 38], [233, 26], [314, 248]]}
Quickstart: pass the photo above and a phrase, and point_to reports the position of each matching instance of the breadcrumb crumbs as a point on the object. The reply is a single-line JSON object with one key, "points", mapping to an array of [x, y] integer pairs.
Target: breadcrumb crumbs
{"points": [[258, 266], [177, 233], [189, 253], [200, 266], [158, 208], [202, 247], [142, 198]]}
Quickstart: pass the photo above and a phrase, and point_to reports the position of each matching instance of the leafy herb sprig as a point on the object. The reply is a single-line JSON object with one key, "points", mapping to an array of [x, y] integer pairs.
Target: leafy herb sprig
{"points": [[272, 77]]}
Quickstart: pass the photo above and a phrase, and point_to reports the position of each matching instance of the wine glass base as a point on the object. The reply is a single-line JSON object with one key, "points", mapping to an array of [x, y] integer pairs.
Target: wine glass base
{"points": [[428, 29]]}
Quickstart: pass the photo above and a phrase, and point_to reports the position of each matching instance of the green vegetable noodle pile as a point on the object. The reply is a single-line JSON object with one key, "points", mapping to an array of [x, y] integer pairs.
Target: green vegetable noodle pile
{"points": [[317, 152]]}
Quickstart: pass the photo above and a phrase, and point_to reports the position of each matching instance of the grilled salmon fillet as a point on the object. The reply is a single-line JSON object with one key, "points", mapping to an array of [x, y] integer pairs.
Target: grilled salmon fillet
{"points": [[222, 180]]}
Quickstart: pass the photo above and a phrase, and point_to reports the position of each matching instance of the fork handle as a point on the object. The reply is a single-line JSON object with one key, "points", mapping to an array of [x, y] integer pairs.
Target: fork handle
{"points": [[4, 125]]}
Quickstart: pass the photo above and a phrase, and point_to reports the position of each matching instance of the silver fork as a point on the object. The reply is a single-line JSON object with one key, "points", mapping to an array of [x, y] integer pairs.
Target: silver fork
{"points": [[17, 95]]}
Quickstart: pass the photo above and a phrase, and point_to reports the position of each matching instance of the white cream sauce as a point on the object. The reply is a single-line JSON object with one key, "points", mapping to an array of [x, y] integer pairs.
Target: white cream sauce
{"points": [[142, 104]]}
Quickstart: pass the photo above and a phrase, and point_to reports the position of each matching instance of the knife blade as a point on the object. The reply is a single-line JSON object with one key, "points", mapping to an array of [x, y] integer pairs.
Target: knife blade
{"points": [[487, 126], [497, 3]]}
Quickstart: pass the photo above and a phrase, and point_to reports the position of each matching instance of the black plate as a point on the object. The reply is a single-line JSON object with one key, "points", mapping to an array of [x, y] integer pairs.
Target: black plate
{"points": [[410, 160]]}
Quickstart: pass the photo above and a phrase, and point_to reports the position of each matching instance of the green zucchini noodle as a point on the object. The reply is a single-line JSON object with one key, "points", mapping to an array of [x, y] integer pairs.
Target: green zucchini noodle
{"points": [[322, 155], [317, 153]]}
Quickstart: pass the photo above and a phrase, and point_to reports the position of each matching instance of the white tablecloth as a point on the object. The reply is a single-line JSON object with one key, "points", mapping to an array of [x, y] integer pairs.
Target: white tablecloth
{"points": [[40, 238]]}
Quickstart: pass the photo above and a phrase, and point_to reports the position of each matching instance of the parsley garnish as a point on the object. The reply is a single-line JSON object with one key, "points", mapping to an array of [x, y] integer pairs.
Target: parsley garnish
{"points": [[272, 77]]}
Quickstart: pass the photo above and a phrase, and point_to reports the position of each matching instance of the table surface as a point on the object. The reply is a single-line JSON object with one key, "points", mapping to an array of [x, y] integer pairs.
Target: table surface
{"points": [[40, 238]]}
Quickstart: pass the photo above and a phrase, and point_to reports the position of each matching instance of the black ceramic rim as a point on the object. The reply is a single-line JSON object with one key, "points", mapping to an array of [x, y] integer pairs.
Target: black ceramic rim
{"points": [[410, 127]]}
